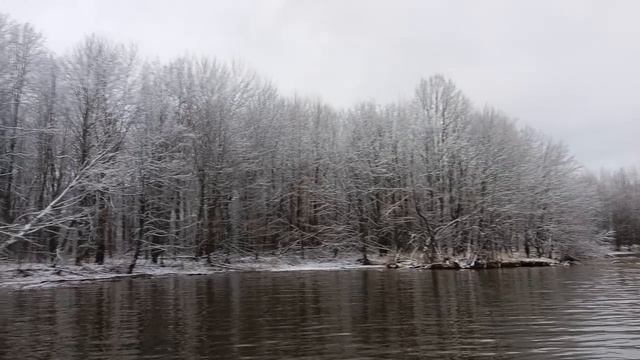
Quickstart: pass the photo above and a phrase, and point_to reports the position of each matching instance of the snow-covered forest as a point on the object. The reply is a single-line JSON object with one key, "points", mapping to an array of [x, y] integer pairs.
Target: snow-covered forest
{"points": [[106, 154], [620, 194]]}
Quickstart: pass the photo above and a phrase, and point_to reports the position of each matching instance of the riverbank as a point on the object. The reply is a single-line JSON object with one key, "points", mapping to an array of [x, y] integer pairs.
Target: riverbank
{"points": [[492, 264], [38, 275]]}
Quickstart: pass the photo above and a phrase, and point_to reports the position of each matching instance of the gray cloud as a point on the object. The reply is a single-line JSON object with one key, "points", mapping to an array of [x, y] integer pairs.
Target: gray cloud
{"points": [[568, 68]]}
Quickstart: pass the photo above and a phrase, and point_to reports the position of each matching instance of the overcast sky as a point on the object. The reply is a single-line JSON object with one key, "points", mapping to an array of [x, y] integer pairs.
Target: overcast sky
{"points": [[568, 68]]}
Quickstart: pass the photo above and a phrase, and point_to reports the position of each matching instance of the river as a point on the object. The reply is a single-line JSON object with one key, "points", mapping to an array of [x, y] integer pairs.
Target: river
{"points": [[588, 311]]}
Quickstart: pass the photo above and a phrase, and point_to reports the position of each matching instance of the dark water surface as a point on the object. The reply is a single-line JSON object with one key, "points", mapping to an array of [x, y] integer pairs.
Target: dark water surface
{"points": [[590, 311]]}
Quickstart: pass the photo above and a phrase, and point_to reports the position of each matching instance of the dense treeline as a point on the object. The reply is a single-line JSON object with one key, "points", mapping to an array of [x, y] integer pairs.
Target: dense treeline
{"points": [[620, 193], [104, 154]]}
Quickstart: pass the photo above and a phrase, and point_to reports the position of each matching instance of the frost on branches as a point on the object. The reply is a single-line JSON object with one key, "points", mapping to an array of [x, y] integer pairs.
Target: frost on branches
{"points": [[104, 154]]}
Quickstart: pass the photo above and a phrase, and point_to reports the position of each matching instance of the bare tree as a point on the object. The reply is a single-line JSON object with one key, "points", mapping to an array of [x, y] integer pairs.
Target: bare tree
{"points": [[102, 157]]}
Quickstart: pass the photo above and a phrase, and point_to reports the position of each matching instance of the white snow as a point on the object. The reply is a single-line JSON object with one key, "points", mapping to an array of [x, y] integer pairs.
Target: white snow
{"points": [[30, 275], [38, 275]]}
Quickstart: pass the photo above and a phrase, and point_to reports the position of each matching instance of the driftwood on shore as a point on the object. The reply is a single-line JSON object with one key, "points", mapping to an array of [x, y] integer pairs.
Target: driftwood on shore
{"points": [[482, 264]]}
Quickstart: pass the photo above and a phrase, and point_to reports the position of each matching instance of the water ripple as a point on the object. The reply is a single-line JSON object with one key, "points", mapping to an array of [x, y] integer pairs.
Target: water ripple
{"points": [[590, 311]]}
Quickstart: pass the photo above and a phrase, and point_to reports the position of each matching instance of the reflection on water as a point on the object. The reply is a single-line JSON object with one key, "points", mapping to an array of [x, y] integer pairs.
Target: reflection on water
{"points": [[581, 312]]}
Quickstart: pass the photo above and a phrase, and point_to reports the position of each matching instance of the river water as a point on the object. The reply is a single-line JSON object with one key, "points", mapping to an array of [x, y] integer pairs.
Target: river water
{"points": [[589, 311]]}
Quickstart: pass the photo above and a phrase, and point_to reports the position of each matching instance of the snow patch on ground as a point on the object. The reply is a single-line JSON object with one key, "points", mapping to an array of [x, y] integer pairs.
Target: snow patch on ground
{"points": [[313, 265], [622, 253], [38, 275]]}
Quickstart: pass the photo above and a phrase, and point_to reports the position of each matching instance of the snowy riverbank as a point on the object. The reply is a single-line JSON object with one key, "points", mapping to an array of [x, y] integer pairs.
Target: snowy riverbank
{"points": [[38, 275]]}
